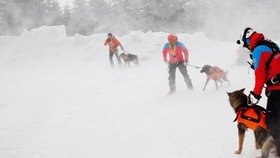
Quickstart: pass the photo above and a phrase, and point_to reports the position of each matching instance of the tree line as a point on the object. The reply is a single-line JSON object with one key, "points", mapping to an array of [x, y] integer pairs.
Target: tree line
{"points": [[214, 17]]}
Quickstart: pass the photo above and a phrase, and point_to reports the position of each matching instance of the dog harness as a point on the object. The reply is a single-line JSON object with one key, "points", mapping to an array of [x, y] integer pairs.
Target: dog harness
{"points": [[216, 73], [252, 116]]}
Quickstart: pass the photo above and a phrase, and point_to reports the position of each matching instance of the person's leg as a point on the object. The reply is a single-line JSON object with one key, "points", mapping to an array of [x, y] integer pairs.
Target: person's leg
{"points": [[273, 117], [172, 76], [111, 53], [184, 72], [118, 58]]}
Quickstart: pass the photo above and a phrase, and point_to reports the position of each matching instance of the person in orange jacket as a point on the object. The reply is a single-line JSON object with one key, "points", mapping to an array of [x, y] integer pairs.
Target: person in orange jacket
{"points": [[175, 54], [113, 44]]}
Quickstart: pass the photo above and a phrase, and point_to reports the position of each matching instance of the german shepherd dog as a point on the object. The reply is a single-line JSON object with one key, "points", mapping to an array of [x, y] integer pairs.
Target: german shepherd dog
{"points": [[215, 73], [264, 141], [127, 58]]}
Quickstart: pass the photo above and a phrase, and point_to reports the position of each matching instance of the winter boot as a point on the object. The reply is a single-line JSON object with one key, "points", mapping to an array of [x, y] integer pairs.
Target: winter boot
{"points": [[172, 91]]}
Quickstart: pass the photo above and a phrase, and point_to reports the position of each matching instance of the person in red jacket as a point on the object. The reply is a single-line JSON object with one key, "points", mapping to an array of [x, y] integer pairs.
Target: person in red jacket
{"points": [[176, 55], [113, 44], [265, 55]]}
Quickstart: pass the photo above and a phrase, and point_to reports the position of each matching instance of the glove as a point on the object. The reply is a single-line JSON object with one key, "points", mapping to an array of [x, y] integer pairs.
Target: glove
{"points": [[253, 98], [186, 63]]}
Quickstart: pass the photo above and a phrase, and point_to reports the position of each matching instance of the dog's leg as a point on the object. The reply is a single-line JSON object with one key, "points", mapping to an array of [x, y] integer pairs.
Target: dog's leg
{"points": [[216, 84], [267, 145], [221, 83], [241, 135], [226, 79], [257, 142], [207, 80], [126, 64], [136, 62]]}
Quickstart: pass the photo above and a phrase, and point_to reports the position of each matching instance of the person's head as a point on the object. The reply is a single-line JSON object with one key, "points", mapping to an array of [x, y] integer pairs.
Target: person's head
{"points": [[172, 39], [245, 39], [250, 38], [110, 35]]}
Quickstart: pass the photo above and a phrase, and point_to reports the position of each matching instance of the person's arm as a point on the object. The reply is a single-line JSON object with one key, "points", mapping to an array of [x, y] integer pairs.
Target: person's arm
{"points": [[106, 42], [186, 53], [164, 53], [118, 43], [260, 70]]}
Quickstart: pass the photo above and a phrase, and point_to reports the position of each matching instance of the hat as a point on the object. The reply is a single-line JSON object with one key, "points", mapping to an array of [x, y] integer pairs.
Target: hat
{"points": [[172, 38], [110, 34]]}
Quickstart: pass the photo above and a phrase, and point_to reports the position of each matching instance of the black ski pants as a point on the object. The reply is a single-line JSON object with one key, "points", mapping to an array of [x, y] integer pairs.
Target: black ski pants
{"points": [[111, 54], [172, 75], [273, 117]]}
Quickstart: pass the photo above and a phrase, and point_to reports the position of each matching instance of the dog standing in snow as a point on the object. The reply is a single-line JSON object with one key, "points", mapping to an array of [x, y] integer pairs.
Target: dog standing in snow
{"points": [[215, 73]]}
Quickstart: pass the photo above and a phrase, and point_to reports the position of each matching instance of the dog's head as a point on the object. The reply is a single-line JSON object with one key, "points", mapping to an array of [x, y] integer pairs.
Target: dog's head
{"points": [[207, 69], [237, 98], [124, 56]]}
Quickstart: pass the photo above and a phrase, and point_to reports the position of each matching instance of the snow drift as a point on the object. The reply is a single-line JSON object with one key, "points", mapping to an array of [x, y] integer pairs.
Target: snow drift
{"points": [[61, 99]]}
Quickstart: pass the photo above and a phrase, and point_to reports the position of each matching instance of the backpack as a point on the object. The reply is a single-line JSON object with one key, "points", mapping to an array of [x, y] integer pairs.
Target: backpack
{"points": [[273, 46]]}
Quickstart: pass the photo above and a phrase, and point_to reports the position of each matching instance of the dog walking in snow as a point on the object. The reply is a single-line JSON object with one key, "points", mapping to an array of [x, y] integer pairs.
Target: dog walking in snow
{"points": [[215, 73], [127, 58]]}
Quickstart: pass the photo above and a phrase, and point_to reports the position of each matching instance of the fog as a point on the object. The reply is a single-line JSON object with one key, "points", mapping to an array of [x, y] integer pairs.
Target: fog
{"points": [[220, 20]]}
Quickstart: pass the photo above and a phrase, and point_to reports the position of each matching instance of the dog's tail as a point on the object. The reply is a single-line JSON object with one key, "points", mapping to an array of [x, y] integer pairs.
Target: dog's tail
{"points": [[225, 78], [226, 72]]}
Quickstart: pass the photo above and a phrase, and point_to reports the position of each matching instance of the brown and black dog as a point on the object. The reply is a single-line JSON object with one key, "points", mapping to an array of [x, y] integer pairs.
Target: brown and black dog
{"points": [[127, 58], [252, 117], [215, 73]]}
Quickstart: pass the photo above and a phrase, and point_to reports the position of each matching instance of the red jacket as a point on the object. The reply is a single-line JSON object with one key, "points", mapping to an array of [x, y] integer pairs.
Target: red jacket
{"points": [[177, 54], [260, 56]]}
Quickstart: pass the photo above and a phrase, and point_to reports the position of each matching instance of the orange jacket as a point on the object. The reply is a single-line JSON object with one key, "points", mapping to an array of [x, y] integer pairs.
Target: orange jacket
{"points": [[113, 43], [252, 117]]}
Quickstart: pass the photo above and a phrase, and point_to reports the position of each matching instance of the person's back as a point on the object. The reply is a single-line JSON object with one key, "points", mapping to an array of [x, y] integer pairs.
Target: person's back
{"points": [[260, 56]]}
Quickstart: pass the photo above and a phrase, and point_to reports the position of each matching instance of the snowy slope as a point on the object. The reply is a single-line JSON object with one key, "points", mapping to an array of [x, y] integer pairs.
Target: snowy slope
{"points": [[61, 99]]}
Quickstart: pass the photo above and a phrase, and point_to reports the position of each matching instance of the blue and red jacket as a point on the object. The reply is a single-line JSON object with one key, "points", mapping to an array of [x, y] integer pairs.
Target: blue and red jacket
{"points": [[260, 56], [177, 54]]}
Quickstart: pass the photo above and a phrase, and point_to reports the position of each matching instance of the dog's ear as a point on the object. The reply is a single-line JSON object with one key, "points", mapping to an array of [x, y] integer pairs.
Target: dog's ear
{"points": [[229, 94], [242, 90]]}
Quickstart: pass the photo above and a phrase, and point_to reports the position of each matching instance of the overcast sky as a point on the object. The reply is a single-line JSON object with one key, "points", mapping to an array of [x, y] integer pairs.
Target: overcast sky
{"points": [[65, 2]]}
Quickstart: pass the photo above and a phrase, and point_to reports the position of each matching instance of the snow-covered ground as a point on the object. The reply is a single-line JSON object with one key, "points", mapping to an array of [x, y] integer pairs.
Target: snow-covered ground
{"points": [[61, 99]]}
